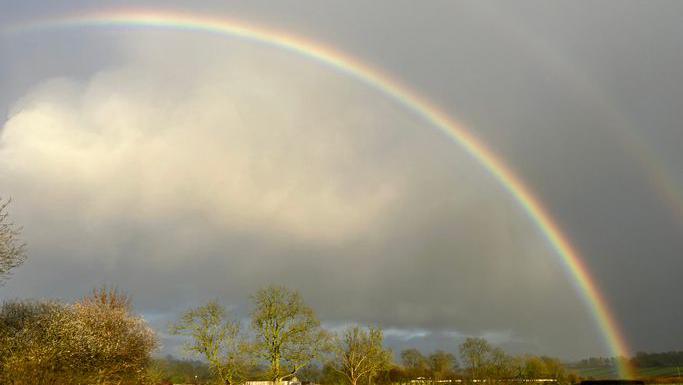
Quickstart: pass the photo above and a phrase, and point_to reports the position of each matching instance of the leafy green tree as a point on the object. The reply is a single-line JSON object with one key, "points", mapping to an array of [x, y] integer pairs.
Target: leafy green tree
{"points": [[361, 354], [12, 249], [215, 337], [288, 334]]}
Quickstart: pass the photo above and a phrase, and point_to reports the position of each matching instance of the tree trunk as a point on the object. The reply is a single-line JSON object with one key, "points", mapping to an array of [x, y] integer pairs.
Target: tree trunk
{"points": [[276, 370]]}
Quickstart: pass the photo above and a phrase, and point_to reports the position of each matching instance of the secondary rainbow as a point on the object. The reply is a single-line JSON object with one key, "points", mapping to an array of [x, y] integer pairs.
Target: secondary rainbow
{"points": [[398, 92]]}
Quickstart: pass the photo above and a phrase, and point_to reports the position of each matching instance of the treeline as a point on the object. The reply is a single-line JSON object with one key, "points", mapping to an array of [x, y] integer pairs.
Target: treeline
{"points": [[652, 360], [412, 366], [285, 339], [598, 362], [98, 340], [481, 361], [169, 369], [640, 360]]}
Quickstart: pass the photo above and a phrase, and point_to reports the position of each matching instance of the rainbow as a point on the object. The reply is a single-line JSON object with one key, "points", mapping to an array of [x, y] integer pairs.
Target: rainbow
{"points": [[409, 99], [653, 167]]}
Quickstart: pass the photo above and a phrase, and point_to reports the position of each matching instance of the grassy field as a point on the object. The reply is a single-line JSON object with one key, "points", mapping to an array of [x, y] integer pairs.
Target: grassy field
{"points": [[600, 373]]}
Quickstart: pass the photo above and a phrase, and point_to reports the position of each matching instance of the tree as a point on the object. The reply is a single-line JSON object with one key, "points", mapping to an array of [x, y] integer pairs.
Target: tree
{"points": [[109, 297], [392, 375], [170, 370], [215, 337], [501, 365], [553, 368], [288, 334], [474, 353], [534, 367], [650, 360], [28, 342], [12, 250], [72, 344], [107, 342], [414, 362], [441, 364], [330, 375], [311, 373], [360, 354]]}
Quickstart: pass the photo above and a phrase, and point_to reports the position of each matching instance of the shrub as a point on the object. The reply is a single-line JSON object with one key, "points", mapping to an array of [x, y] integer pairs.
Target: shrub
{"points": [[88, 342]]}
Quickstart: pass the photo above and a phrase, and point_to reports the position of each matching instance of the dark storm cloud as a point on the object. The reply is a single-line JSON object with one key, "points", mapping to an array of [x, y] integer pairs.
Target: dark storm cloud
{"points": [[375, 218]]}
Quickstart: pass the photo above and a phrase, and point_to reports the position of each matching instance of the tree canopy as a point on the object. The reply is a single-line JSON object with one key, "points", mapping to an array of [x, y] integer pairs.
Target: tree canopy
{"points": [[288, 334], [361, 354]]}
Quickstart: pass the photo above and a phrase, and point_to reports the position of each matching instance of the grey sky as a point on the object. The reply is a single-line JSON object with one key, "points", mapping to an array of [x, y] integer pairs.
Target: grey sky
{"points": [[184, 167]]}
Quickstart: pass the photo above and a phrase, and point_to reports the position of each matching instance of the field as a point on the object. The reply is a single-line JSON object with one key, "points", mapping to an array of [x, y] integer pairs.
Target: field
{"points": [[604, 373]]}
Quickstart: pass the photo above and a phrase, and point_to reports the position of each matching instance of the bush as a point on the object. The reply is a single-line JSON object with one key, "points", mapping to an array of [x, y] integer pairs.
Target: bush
{"points": [[88, 342]]}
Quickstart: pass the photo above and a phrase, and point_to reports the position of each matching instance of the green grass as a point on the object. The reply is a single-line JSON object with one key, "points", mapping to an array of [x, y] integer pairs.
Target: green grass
{"points": [[597, 373], [603, 373]]}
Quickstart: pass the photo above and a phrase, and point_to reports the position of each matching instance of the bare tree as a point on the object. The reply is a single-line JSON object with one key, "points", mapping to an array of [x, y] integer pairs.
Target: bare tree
{"points": [[109, 296], [360, 354], [12, 249], [534, 367], [414, 362], [554, 368], [441, 364], [474, 353], [500, 365], [216, 337], [288, 334]]}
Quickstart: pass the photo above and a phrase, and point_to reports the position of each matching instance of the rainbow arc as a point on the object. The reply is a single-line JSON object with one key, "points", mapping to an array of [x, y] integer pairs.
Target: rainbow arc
{"points": [[393, 89]]}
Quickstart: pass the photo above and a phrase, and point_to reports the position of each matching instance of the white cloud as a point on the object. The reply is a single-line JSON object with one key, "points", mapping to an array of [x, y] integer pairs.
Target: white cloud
{"points": [[406, 334], [237, 144]]}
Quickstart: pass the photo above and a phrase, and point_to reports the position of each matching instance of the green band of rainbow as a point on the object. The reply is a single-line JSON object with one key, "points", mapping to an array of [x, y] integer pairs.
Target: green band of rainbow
{"points": [[401, 94]]}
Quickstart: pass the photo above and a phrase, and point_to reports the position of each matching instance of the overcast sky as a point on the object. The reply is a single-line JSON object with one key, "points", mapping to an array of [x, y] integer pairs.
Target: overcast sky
{"points": [[184, 167]]}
